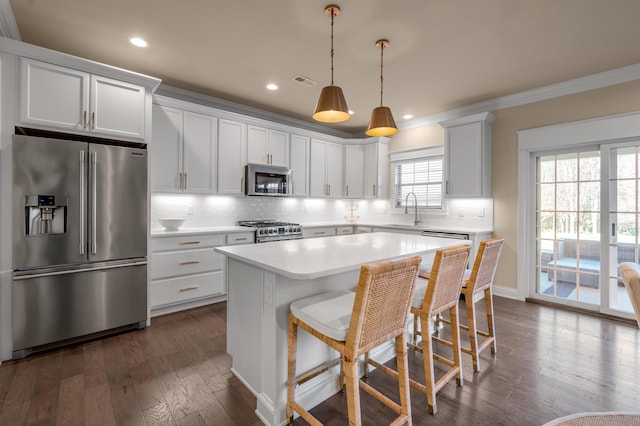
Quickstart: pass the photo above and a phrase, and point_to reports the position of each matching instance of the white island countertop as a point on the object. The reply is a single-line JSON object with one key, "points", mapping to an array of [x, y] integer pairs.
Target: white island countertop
{"points": [[318, 257]]}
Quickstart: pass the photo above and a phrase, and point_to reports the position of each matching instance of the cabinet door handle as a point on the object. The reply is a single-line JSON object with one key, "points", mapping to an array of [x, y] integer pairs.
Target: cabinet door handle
{"points": [[193, 287], [189, 262], [181, 181], [185, 181], [446, 191], [241, 185], [93, 121], [347, 188], [184, 243], [374, 190], [84, 119], [329, 186]]}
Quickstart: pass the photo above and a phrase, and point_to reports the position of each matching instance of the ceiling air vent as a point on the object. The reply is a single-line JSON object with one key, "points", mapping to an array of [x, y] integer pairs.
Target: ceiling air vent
{"points": [[304, 80]]}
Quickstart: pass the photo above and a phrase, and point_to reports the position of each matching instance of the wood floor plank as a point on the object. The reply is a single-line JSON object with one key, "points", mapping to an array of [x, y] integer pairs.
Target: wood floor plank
{"points": [[550, 363]]}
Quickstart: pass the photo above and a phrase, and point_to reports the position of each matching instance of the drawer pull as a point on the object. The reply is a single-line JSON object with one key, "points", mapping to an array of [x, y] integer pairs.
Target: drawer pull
{"points": [[193, 287], [184, 243], [319, 233], [189, 262], [240, 239]]}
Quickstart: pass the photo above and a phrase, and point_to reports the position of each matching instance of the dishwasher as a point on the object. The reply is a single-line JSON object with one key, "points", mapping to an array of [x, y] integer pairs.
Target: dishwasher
{"points": [[427, 260]]}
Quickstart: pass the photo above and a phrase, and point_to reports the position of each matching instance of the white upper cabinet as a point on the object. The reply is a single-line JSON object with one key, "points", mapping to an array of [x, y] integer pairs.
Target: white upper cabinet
{"points": [[183, 152], [266, 146], [65, 99], [325, 177], [232, 142], [376, 170], [467, 155], [299, 155], [353, 171]]}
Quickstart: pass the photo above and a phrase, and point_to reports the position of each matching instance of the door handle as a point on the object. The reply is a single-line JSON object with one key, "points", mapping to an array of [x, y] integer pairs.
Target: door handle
{"points": [[83, 201], [374, 191], [94, 196], [84, 119], [185, 181], [181, 181]]}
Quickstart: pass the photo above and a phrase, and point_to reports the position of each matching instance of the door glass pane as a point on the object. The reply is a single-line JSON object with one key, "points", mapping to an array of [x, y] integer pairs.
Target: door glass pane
{"points": [[568, 228], [623, 205]]}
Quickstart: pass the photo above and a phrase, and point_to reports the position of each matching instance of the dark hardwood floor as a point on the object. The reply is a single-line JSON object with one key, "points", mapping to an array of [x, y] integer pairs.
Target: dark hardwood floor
{"points": [[550, 363]]}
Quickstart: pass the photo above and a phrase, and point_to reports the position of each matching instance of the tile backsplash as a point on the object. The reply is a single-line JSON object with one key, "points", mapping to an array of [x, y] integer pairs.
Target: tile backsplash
{"points": [[210, 210]]}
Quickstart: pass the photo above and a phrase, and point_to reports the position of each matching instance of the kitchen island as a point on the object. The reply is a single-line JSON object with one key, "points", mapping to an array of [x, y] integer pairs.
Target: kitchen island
{"points": [[263, 279]]}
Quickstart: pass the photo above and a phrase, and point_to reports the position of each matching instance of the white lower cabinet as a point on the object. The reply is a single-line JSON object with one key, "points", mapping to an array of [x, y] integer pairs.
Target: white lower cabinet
{"points": [[318, 232], [186, 272]]}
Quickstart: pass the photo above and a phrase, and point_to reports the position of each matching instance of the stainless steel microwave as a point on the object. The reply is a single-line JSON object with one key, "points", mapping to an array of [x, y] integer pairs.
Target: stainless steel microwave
{"points": [[273, 181]]}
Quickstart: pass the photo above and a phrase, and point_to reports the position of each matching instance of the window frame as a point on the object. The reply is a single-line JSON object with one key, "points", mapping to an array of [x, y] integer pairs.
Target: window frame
{"points": [[416, 156]]}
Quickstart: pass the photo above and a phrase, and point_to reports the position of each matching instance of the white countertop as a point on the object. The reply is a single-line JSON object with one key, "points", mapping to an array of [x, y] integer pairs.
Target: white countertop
{"points": [[160, 232], [317, 257]]}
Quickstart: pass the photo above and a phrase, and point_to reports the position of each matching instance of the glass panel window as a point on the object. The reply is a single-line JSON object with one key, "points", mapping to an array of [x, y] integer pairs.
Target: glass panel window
{"points": [[424, 178]]}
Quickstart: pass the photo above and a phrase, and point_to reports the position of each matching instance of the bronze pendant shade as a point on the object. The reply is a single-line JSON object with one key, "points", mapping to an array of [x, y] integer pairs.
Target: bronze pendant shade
{"points": [[331, 106], [381, 122]]}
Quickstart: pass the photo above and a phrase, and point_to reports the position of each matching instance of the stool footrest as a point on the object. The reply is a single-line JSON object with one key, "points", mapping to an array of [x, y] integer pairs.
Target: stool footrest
{"points": [[316, 371]]}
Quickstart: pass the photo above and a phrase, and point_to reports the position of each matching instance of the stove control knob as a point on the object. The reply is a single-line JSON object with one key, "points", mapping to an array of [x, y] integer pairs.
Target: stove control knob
{"points": [[272, 231]]}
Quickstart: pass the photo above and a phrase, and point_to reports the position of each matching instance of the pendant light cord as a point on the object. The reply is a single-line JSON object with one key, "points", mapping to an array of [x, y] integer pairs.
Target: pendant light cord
{"points": [[381, 65], [332, 15]]}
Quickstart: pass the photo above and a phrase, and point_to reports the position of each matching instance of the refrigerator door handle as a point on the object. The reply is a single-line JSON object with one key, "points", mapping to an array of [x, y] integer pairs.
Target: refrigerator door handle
{"points": [[94, 200], [78, 270], [83, 202]]}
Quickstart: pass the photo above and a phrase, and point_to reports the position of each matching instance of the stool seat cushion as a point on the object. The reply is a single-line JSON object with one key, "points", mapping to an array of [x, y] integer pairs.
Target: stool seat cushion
{"points": [[328, 313]]}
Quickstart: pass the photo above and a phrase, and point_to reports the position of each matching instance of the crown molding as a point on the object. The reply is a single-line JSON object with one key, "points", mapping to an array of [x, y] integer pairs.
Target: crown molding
{"points": [[8, 24], [569, 87], [210, 101]]}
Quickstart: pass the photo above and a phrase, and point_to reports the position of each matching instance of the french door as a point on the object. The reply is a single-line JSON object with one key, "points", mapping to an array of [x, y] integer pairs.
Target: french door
{"points": [[586, 224]]}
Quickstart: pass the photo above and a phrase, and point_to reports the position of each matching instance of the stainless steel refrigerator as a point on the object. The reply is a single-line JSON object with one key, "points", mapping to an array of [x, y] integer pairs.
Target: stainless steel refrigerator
{"points": [[79, 240]]}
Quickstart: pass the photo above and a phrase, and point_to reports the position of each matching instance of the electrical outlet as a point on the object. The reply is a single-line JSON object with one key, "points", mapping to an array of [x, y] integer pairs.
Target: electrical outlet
{"points": [[460, 213], [189, 208], [481, 212]]}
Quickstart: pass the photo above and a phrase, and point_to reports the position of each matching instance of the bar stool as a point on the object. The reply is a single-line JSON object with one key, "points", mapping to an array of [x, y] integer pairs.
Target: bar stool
{"points": [[354, 323], [432, 297], [479, 281]]}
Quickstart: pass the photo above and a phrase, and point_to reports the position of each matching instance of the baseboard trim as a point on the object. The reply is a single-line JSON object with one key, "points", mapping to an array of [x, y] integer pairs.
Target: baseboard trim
{"points": [[508, 292]]}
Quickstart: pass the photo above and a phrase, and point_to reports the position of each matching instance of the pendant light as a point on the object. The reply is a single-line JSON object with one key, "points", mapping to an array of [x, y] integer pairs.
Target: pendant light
{"points": [[381, 123], [331, 107]]}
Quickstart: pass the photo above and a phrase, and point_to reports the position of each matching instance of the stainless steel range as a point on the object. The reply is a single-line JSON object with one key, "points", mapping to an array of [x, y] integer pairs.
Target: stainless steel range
{"points": [[271, 230]]}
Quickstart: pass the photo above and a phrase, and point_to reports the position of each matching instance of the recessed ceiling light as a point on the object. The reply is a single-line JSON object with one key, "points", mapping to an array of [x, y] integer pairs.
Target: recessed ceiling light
{"points": [[137, 41], [272, 86], [407, 116]]}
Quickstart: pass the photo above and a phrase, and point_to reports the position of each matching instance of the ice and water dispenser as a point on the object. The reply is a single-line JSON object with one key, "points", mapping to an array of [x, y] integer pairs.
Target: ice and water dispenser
{"points": [[45, 214]]}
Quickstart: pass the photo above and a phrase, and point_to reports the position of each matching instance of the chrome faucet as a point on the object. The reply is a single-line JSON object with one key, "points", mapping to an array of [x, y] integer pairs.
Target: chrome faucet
{"points": [[416, 222]]}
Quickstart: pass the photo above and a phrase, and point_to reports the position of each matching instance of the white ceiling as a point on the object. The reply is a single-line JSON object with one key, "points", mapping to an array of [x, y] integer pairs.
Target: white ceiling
{"points": [[443, 54]]}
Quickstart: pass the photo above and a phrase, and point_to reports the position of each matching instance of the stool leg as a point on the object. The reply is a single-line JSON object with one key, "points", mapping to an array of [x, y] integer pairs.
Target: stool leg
{"points": [[403, 376], [473, 333], [455, 340], [291, 368], [488, 300], [353, 391], [366, 364], [429, 375]]}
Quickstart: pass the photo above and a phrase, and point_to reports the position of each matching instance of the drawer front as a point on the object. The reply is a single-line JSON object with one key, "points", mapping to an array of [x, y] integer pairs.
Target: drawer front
{"points": [[175, 263], [179, 242], [318, 232], [182, 289], [241, 238], [344, 230]]}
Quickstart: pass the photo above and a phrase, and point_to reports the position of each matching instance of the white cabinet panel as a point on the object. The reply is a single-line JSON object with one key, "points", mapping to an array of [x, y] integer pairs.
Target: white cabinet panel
{"points": [[266, 146], [66, 99], [376, 170], [344, 230], [241, 238], [318, 232], [183, 289], [184, 262], [186, 242], [467, 156], [117, 108], [299, 155], [183, 152], [232, 140], [354, 171], [325, 179]]}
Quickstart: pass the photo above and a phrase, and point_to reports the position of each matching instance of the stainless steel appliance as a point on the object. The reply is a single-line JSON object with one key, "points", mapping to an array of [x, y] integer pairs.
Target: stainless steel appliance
{"points": [[79, 240], [271, 230], [267, 180]]}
